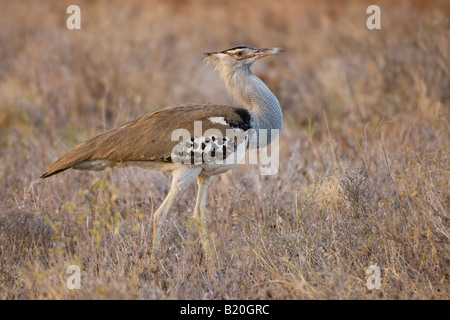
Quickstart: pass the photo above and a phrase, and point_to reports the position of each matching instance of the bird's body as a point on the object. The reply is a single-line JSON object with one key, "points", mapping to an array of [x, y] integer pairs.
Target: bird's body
{"points": [[151, 141], [136, 144]]}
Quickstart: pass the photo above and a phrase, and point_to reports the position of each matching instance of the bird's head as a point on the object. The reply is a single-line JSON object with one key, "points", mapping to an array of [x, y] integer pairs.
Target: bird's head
{"points": [[240, 57]]}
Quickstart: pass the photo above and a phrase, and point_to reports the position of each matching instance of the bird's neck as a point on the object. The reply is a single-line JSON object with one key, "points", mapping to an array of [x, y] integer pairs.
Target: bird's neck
{"points": [[250, 92]]}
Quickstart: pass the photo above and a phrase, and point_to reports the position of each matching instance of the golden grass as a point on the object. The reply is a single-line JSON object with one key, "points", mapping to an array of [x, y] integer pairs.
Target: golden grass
{"points": [[364, 172]]}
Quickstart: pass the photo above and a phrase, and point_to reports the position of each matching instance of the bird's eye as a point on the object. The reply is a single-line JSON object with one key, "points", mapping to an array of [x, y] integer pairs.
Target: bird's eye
{"points": [[239, 53]]}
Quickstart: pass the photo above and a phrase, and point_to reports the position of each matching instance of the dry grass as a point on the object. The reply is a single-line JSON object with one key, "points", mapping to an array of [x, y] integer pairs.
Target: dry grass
{"points": [[364, 174]]}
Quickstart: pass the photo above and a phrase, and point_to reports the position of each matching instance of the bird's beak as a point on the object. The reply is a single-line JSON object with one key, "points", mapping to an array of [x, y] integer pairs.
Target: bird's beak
{"points": [[208, 54], [259, 53]]}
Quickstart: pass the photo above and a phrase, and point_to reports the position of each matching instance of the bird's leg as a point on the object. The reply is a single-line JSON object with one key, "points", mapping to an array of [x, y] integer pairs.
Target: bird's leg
{"points": [[159, 216], [182, 178], [199, 214]]}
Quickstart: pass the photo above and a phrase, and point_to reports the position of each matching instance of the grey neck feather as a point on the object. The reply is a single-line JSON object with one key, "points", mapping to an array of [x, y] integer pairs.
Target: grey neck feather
{"points": [[250, 92]]}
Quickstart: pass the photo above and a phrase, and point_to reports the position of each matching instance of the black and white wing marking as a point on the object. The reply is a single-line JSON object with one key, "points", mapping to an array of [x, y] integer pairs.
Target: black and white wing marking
{"points": [[224, 141]]}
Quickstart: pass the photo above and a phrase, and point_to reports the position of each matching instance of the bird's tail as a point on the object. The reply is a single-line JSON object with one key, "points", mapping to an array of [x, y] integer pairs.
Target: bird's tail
{"points": [[81, 157]]}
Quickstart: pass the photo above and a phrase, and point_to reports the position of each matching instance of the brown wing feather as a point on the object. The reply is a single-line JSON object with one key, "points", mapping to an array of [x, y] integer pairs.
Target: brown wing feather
{"points": [[147, 138]]}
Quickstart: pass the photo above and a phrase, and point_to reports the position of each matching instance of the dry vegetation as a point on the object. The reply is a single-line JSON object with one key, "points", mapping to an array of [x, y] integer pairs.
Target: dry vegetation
{"points": [[364, 173]]}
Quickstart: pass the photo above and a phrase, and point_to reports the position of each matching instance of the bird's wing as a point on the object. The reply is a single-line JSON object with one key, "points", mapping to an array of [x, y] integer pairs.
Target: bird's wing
{"points": [[149, 138]]}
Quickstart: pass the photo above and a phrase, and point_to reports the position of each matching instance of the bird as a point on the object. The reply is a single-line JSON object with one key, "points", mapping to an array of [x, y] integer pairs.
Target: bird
{"points": [[150, 141]]}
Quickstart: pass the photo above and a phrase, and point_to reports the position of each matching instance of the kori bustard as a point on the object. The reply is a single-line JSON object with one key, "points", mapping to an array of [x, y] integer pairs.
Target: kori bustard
{"points": [[147, 142]]}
